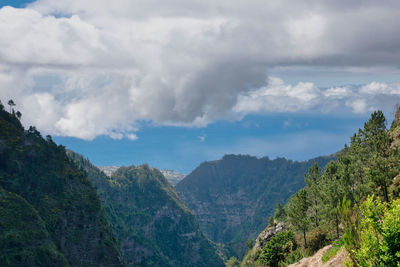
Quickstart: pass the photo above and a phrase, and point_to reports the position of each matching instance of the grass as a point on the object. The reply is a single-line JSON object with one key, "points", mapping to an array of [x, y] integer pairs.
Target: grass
{"points": [[332, 251]]}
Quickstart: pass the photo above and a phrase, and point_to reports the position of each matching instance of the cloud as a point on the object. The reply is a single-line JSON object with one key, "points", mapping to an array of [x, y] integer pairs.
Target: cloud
{"points": [[277, 96], [202, 138], [92, 68]]}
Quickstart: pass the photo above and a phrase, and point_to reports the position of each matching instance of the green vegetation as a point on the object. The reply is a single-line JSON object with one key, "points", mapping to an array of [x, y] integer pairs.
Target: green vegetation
{"points": [[379, 233], [232, 198], [332, 251], [152, 224], [50, 214], [355, 196], [232, 262], [278, 248], [24, 240]]}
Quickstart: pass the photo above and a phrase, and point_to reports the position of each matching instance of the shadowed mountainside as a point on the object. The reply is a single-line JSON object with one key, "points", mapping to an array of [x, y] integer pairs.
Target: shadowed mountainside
{"points": [[232, 198], [50, 214], [153, 225]]}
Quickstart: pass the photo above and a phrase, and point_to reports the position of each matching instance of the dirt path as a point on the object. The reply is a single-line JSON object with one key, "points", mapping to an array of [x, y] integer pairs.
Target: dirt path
{"points": [[316, 261]]}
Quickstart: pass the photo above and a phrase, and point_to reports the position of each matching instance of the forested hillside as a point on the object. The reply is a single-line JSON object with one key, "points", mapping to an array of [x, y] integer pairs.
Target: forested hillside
{"points": [[232, 198], [352, 203], [50, 214], [153, 225]]}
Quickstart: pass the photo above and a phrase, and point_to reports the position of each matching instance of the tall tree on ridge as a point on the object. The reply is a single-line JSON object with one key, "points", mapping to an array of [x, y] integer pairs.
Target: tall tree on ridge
{"points": [[11, 104]]}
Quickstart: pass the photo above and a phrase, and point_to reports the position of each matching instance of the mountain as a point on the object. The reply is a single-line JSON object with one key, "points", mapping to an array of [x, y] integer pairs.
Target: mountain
{"points": [[232, 198], [50, 214], [172, 176], [153, 225]]}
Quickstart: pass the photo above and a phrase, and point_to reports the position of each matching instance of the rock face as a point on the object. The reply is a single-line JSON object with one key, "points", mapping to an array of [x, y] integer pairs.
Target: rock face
{"points": [[172, 176], [50, 214], [108, 170], [153, 225], [266, 236], [233, 197]]}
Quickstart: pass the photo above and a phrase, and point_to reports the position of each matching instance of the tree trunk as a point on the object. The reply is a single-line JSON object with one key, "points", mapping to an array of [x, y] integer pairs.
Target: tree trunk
{"points": [[337, 224], [385, 191], [305, 239]]}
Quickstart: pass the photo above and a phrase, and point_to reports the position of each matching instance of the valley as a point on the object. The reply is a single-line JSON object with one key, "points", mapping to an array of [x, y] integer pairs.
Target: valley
{"points": [[57, 207]]}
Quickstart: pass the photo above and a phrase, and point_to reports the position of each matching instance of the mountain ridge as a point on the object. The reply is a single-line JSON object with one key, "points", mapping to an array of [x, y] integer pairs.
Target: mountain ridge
{"points": [[233, 197], [154, 227]]}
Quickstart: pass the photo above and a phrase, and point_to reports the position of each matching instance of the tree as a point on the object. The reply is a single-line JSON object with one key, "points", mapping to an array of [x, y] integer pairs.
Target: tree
{"points": [[297, 212], [351, 219], [332, 192], [280, 213], [1, 106], [379, 156], [11, 104], [18, 114], [314, 191]]}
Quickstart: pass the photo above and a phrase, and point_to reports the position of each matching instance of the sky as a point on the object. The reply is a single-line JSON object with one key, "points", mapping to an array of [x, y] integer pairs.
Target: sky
{"points": [[175, 83]]}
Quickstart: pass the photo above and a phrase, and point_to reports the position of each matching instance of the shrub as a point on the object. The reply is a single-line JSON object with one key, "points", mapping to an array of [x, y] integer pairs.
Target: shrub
{"points": [[232, 262], [294, 256], [317, 239], [380, 234], [278, 248]]}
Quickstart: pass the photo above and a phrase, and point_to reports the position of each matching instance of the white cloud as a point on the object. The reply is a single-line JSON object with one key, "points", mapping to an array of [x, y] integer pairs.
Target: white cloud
{"points": [[358, 105], [92, 68], [202, 138], [278, 96], [132, 136]]}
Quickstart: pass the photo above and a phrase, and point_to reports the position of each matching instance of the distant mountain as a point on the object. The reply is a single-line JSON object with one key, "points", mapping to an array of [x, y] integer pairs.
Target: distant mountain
{"points": [[232, 198], [172, 176], [50, 214], [153, 225]]}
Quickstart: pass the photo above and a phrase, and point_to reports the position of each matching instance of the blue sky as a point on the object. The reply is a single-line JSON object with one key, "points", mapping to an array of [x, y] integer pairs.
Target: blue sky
{"points": [[173, 85], [15, 3], [181, 148]]}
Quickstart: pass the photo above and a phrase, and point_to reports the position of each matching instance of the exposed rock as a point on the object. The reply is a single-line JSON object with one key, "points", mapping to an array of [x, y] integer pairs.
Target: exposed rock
{"points": [[172, 176], [108, 170], [266, 235]]}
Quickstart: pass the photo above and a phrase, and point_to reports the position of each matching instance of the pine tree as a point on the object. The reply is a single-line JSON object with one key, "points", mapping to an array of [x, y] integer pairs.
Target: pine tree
{"points": [[297, 212], [314, 191]]}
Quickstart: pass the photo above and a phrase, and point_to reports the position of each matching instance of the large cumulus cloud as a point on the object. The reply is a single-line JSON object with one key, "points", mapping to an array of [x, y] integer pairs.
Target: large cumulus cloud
{"points": [[87, 68]]}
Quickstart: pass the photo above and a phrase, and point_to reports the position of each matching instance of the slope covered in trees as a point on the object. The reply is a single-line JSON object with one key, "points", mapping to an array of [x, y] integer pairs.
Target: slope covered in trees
{"points": [[153, 225], [233, 197], [50, 214], [354, 200]]}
